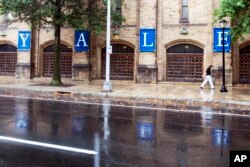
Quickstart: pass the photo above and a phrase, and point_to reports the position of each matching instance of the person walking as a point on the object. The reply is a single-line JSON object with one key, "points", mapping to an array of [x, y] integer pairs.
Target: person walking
{"points": [[208, 78]]}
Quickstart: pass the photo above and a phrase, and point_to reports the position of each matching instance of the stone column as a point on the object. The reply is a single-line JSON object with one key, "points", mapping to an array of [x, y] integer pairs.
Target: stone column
{"points": [[146, 68], [23, 66], [81, 67]]}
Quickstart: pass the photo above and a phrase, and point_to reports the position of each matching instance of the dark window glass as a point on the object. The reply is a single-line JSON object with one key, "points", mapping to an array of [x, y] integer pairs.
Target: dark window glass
{"points": [[184, 12], [245, 50], [185, 3], [7, 48], [118, 7], [63, 48], [120, 48], [184, 48], [117, 10]]}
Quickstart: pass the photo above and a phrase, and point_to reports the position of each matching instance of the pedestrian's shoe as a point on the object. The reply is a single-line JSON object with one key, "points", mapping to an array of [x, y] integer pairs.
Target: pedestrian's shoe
{"points": [[201, 87]]}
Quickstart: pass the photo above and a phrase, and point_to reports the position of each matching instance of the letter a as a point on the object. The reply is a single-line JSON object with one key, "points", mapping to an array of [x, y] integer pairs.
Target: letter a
{"points": [[237, 158], [81, 39]]}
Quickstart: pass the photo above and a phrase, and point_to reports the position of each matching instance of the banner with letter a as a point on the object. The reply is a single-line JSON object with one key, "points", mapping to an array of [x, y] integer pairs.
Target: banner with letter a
{"points": [[82, 40]]}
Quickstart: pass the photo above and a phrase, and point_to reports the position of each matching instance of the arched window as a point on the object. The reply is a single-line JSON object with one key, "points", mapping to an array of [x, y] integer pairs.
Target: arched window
{"points": [[185, 48], [121, 62], [8, 59], [245, 65], [65, 61], [7, 48], [184, 63]]}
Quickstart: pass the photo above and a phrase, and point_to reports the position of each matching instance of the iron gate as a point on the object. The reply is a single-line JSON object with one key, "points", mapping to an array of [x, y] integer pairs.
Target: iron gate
{"points": [[245, 65], [184, 63], [8, 60], [65, 61], [121, 62]]}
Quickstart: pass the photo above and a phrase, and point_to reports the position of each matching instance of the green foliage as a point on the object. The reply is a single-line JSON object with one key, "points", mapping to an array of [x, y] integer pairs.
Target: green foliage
{"points": [[79, 14], [116, 16], [239, 13]]}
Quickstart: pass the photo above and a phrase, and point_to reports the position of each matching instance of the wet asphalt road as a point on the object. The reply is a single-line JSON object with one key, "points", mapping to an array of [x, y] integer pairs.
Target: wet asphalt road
{"points": [[118, 136]]}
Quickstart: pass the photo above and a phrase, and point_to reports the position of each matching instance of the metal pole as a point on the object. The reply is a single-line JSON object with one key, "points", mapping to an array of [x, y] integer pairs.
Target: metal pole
{"points": [[107, 84], [223, 88]]}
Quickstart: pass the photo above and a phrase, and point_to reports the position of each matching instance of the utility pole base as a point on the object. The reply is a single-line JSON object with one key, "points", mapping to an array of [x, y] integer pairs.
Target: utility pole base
{"points": [[107, 87]]}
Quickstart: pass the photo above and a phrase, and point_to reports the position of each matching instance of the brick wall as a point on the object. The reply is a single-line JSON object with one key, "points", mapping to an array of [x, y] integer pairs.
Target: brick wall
{"points": [[163, 15]]}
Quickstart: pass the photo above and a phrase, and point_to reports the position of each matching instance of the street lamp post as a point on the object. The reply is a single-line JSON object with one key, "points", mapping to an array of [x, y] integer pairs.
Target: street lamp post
{"points": [[223, 25], [107, 84]]}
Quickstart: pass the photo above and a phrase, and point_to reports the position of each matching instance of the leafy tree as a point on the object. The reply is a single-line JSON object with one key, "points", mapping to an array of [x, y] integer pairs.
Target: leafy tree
{"points": [[239, 13], [80, 14]]}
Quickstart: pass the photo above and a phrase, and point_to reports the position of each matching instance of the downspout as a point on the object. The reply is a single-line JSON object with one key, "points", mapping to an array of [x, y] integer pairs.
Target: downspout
{"points": [[89, 57], [157, 36], [138, 9], [159, 39], [38, 52]]}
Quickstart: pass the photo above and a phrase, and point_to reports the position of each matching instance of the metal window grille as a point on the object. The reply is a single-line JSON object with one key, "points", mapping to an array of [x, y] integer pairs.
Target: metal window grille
{"points": [[121, 63], [65, 61], [244, 72], [184, 63], [8, 60]]}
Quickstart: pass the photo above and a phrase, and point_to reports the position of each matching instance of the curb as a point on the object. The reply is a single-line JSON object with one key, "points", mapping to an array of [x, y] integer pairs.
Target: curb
{"points": [[218, 106]]}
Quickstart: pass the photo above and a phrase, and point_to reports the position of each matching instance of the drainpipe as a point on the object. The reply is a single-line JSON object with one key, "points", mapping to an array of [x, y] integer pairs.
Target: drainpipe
{"points": [[157, 37], [137, 54]]}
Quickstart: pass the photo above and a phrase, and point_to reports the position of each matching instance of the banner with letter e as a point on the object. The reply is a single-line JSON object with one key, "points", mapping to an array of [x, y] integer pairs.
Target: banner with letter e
{"points": [[218, 40]]}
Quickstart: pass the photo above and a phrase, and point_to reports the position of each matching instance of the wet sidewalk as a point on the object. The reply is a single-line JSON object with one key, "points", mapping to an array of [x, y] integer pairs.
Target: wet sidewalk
{"points": [[129, 93]]}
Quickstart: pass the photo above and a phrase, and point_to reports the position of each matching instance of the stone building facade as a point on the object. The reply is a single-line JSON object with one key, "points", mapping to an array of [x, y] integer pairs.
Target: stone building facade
{"points": [[183, 47]]}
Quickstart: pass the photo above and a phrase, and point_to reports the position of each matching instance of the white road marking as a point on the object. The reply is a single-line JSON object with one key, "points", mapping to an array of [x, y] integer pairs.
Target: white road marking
{"points": [[60, 147]]}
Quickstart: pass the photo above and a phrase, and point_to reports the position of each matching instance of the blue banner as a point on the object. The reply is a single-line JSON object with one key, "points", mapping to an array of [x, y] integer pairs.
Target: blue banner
{"points": [[220, 137], [78, 125], [24, 40], [218, 40], [82, 39], [145, 131], [147, 40]]}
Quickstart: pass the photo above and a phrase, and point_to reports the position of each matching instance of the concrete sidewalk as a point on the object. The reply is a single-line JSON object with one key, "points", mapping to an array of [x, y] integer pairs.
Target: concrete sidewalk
{"points": [[151, 93]]}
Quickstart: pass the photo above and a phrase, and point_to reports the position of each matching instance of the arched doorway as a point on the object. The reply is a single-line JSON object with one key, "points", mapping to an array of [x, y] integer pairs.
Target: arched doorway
{"points": [[184, 63], [8, 60], [121, 62], [65, 63], [245, 65]]}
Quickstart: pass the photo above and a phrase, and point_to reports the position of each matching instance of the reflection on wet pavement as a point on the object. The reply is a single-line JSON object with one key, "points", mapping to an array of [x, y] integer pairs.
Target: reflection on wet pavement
{"points": [[207, 95], [123, 136]]}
